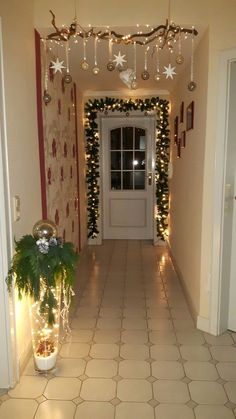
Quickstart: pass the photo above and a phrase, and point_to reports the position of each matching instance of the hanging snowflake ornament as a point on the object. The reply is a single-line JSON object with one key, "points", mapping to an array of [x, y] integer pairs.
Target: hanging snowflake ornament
{"points": [[119, 59], [169, 72], [57, 66]]}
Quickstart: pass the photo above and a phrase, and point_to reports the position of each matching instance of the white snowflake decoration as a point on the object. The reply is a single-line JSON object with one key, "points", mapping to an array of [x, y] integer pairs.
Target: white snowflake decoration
{"points": [[169, 71], [57, 66], [119, 59]]}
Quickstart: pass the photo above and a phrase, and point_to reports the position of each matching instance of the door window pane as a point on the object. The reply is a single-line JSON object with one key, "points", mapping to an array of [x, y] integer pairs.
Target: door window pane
{"points": [[115, 160], [140, 139], [128, 138], [128, 160], [139, 160], [127, 180], [115, 180], [139, 180], [116, 139]]}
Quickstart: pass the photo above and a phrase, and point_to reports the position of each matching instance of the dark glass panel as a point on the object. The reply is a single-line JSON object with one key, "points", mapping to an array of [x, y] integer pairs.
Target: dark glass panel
{"points": [[128, 138], [128, 157], [115, 180], [139, 180], [139, 160], [116, 139], [127, 180], [140, 139], [115, 160]]}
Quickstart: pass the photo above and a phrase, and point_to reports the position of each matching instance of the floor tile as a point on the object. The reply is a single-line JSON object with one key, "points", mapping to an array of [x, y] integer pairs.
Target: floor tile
{"points": [[134, 390], [98, 389], [195, 353], [110, 313], [174, 411], [95, 410], [227, 370], [165, 352], [101, 368], [104, 351], [134, 336], [62, 388], [213, 412], [168, 391], [206, 392], [135, 313], [78, 335], [162, 337], [16, 408], [134, 410], [190, 337], [160, 324], [201, 371], [170, 370], [74, 350], [69, 367], [224, 353], [134, 324], [221, 340], [138, 352], [56, 409], [230, 389], [134, 369], [106, 336], [111, 324], [29, 387]]}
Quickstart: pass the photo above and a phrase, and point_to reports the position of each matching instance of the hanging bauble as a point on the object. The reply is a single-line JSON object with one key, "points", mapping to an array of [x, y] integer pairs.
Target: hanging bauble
{"points": [[67, 78], [179, 59], [44, 228], [134, 85], [110, 66], [46, 97], [145, 75], [157, 76], [85, 65], [96, 70], [192, 86]]}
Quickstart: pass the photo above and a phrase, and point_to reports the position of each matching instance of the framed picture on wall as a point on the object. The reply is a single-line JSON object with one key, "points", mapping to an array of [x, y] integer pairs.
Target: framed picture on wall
{"points": [[183, 139], [190, 116], [181, 113], [176, 129]]}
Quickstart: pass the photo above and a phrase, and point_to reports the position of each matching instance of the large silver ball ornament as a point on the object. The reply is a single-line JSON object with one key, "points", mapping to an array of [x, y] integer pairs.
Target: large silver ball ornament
{"points": [[67, 78], [44, 228], [157, 76], [134, 85], [110, 66], [96, 70], [85, 65], [179, 59], [145, 75], [192, 86], [46, 97]]}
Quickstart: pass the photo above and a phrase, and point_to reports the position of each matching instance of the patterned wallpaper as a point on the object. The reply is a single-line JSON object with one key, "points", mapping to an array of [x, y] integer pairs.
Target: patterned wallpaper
{"points": [[60, 159]]}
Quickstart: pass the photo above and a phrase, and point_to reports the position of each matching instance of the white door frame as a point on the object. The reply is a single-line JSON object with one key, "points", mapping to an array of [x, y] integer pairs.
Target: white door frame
{"points": [[217, 322], [137, 115], [8, 355]]}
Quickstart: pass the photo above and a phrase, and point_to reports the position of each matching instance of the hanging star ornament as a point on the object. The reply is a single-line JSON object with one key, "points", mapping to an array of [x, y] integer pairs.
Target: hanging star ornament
{"points": [[169, 72], [57, 66], [119, 60]]}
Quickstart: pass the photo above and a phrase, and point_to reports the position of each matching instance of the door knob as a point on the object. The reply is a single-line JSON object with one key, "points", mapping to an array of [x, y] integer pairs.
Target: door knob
{"points": [[150, 178]]}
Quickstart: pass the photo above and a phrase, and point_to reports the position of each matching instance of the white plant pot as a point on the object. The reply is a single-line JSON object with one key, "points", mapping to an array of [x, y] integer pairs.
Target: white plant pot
{"points": [[46, 363]]}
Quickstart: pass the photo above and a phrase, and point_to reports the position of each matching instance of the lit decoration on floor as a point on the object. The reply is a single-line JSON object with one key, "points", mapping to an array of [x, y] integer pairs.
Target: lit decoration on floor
{"points": [[161, 108]]}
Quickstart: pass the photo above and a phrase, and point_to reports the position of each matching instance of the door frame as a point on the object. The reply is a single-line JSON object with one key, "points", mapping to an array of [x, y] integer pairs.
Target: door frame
{"points": [[9, 372], [138, 115], [217, 322]]}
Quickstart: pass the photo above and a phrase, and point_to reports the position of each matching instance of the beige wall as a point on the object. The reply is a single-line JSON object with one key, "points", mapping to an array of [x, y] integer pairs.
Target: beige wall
{"points": [[186, 185], [22, 142]]}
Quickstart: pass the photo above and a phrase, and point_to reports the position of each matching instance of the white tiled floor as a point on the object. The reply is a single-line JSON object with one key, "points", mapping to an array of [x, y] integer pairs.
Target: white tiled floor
{"points": [[134, 352]]}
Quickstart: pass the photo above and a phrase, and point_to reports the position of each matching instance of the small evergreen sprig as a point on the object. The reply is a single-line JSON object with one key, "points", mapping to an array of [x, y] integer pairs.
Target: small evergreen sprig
{"points": [[42, 265]]}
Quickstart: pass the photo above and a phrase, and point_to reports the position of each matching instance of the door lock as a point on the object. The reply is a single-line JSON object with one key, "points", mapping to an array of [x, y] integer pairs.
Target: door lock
{"points": [[150, 178]]}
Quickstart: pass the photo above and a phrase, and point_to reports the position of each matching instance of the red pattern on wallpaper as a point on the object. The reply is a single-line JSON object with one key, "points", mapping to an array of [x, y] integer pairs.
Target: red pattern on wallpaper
{"points": [[58, 155]]}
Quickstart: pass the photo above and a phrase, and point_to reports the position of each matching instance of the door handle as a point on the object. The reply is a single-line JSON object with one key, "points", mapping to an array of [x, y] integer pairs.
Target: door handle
{"points": [[149, 178]]}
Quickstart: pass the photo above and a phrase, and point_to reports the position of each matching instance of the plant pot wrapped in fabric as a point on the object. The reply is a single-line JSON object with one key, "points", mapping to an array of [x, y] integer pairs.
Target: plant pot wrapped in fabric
{"points": [[42, 267]]}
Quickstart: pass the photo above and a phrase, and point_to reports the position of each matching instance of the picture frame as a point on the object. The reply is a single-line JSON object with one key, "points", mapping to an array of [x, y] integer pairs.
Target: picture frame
{"points": [[190, 116], [181, 113], [176, 129], [183, 139]]}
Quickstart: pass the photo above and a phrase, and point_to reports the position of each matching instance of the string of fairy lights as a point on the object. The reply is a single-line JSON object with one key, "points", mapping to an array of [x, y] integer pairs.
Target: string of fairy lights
{"points": [[161, 109]]}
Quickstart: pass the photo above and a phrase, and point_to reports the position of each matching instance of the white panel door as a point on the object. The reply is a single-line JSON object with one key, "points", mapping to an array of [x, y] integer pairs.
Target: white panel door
{"points": [[128, 170]]}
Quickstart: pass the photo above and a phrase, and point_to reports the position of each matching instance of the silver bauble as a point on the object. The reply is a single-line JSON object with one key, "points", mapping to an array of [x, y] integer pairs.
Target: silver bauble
{"points": [[46, 97], [96, 70], [145, 75], [44, 228], [192, 86], [157, 76], [134, 85], [110, 66], [85, 65], [179, 59], [67, 78]]}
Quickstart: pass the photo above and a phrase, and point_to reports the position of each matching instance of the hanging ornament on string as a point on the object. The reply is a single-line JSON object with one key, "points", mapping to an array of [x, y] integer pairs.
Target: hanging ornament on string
{"points": [[119, 59], [145, 74], [96, 69], [57, 66], [192, 85], [67, 78], [84, 64], [179, 57], [110, 64], [169, 72], [46, 96], [134, 83], [157, 75]]}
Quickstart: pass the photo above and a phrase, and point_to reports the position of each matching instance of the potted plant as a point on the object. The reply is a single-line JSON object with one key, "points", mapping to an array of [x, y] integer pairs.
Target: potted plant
{"points": [[43, 269]]}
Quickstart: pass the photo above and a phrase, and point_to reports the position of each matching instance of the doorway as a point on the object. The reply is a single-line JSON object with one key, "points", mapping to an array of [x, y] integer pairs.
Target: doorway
{"points": [[128, 161]]}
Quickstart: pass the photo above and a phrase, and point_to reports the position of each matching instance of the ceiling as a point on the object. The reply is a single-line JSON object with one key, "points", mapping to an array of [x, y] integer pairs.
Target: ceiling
{"points": [[107, 81]]}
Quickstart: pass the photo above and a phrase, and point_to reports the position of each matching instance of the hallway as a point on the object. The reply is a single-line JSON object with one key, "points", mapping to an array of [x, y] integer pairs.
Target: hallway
{"points": [[134, 352]]}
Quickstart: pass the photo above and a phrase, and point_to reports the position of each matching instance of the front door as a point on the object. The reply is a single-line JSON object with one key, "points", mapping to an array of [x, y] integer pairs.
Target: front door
{"points": [[128, 170]]}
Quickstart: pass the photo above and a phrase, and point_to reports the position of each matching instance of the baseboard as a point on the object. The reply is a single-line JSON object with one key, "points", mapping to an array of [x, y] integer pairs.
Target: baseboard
{"points": [[203, 324]]}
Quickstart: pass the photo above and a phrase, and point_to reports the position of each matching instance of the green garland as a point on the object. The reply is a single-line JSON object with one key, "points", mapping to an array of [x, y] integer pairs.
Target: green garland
{"points": [[161, 106], [41, 265]]}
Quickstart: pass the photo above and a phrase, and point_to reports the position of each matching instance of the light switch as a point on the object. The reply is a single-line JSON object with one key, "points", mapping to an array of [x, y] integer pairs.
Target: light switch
{"points": [[16, 207]]}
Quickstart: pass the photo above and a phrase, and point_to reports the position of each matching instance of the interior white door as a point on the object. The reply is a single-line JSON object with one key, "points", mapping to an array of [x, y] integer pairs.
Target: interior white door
{"points": [[128, 170]]}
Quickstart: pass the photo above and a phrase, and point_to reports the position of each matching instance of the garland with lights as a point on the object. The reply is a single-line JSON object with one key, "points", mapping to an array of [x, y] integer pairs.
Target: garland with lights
{"points": [[161, 107]]}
